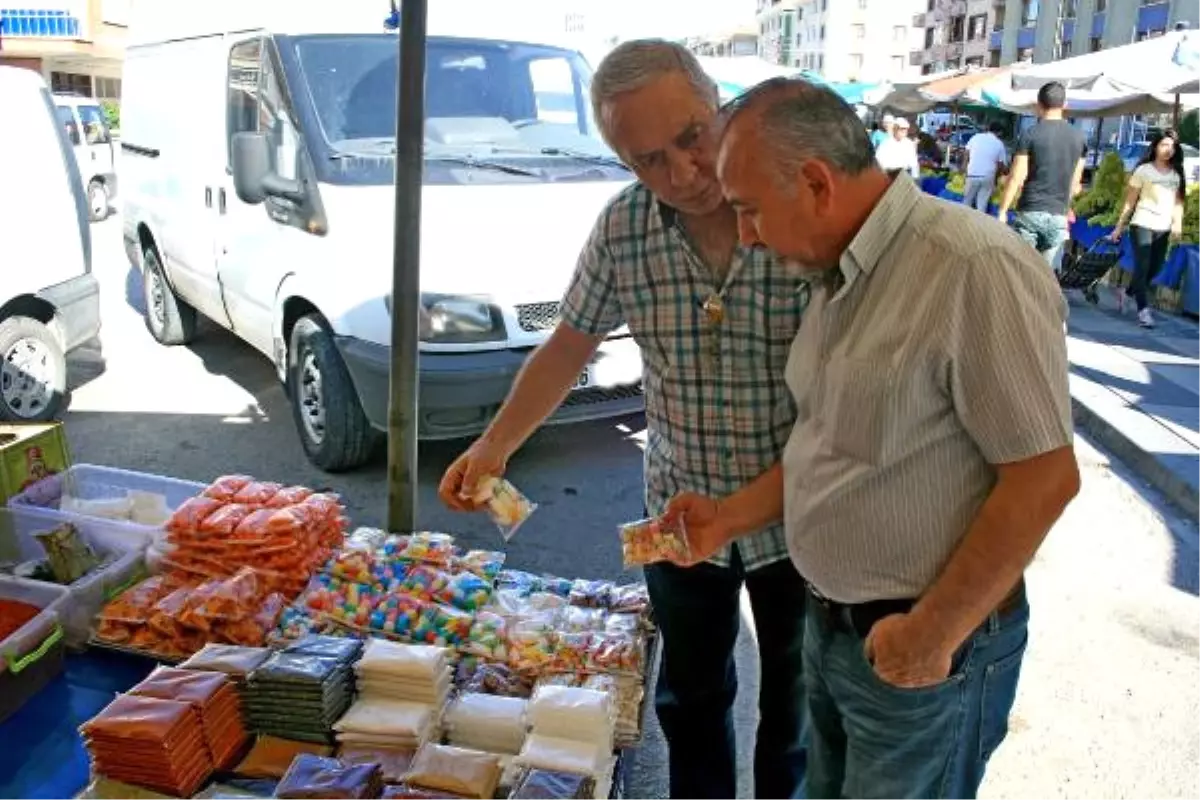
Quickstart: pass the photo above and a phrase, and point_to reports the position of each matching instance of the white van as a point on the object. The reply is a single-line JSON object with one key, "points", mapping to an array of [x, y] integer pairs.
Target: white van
{"points": [[87, 130], [49, 299], [257, 169]]}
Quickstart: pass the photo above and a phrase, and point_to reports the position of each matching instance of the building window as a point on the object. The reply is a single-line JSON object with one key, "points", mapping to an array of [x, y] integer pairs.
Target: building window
{"points": [[1025, 54], [860, 31], [1029, 12], [975, 61], [932, 5], [862, 5], [993, 58], [977, 28], [952, 64], [821, 62], [856, 62], [1094, 44], [956, 29], [899, 33], [823, 3], [929, 35], [822, 33], [1101, 6], [108, 88], [927, 69], [1070, 9], [1064, 49], [998, 10], [939, 35], [897, 65], [71, 83]]}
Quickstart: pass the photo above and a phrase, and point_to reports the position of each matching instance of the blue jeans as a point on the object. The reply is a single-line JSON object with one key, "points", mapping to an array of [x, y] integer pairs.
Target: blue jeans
{"points": [[1046, 232], [872, 739], [698, 613]]}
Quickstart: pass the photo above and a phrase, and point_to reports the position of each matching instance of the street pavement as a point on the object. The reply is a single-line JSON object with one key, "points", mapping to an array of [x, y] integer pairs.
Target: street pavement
{"points": [[1110, 693]]}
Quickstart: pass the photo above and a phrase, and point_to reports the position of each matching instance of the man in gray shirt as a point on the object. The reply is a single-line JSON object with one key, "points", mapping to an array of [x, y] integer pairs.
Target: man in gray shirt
{"points": [[931, 454]]}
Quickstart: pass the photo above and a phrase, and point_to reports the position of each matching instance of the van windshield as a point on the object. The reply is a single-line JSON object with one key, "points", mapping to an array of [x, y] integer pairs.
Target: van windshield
{"points": [[490, 98]]}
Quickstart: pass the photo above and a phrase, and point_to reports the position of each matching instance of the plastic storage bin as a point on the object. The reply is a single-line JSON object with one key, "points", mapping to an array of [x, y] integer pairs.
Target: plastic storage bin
{"points": [[87, 595], [90, 482], [31, 656]]}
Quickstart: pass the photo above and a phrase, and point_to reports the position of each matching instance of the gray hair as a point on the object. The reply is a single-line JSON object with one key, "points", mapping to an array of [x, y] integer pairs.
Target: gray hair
{"points": [[633, 64], [801, 120]]}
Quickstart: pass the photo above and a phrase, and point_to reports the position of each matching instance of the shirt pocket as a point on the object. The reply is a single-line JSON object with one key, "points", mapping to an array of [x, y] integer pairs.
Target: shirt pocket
{"points": [[774, 323], [858, 400]]}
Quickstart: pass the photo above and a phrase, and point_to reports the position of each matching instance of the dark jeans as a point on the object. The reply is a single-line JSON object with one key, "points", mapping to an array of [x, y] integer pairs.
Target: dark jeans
{"points": [[871, 739], [698, 614], [1149, 253]]}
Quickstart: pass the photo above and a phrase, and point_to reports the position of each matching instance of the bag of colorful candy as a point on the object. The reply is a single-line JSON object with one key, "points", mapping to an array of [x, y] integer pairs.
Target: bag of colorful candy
{"points": [[507, 507], [647, 541]]}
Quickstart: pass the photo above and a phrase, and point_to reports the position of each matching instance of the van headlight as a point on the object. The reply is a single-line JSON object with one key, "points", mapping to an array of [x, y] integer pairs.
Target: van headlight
{"points": [[453, 319]]}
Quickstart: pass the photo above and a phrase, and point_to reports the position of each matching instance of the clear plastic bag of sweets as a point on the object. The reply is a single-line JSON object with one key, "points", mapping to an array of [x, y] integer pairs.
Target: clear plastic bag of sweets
{"points": [[649, 540], [507, 507]]}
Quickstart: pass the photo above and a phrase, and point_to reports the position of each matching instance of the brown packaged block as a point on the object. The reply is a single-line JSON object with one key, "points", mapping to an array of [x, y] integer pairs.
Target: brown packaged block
{"points": [[471, 773], [271, 756]]}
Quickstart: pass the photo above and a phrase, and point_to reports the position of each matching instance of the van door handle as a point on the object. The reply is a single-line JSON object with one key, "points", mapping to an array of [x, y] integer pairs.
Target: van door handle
{"points": [[208, 197], [221, 200]]}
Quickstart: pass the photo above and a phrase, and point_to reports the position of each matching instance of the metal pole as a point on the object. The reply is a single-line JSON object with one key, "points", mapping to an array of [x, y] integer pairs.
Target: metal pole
{"points": [[406, 272]]}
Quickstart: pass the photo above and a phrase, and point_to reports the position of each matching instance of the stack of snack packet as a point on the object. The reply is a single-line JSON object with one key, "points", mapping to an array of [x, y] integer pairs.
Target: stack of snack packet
{"points": [[571, 730], [297, 695], [145, 741], [229, 659], [213, 696], [486, 722]]}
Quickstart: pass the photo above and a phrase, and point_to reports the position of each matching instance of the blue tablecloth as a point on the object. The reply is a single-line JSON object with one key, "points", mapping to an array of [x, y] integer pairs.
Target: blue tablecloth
{"points": [[1170, 276], [41, 753], [934, 185], [1191, 279]]}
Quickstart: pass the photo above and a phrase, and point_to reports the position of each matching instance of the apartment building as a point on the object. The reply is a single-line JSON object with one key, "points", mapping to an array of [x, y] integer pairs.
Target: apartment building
{"points": [[843, 40], [736, 43], [77, 45], [960, 33]]}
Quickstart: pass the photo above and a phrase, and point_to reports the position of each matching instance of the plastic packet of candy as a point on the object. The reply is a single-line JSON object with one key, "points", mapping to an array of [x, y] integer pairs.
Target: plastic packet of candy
{"points": [[397, 615], [357, 566], [558, 679], [134, 605], [488, 637], [191, 513], [487, 564], [466, 591], [531, 646], [492, 678], [256, 493], [326, 505], [429, 547], [647, 541], [295, 622], [623, 624], [225, 520], [507, 507], [189, 617], [233, 599], [591, 594], [424, 581], [289, 496], [545, 601], [164, 617], [364, 538], [617, 653], [557, 586], [443, 626], [633, 598], [519, 581], [226, 486], [345, 602], [571, 651], [574, 619]]}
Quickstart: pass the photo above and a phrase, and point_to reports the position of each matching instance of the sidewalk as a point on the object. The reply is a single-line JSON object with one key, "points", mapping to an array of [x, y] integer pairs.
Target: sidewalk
{"points": [[1138, 392]]}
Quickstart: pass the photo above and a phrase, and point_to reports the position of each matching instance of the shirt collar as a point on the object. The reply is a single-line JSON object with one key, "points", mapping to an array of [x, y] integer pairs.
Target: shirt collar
{"points": [[875, 236]]}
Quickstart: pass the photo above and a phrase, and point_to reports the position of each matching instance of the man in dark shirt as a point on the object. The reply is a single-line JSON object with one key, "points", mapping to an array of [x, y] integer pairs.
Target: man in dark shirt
{"points": [[1048, 167]]}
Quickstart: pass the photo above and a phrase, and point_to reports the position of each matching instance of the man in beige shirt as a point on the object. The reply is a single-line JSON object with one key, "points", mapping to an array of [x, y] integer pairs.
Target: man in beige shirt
{"points": [[932, 450]]}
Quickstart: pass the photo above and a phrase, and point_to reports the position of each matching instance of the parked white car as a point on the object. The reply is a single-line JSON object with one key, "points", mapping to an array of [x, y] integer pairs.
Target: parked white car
{"points": [[257, 170], [49, 299], [86, 128], [1132, 153]]}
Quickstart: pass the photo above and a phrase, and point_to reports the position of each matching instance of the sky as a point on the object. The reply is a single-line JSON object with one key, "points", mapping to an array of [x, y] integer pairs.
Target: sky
{"points": [[670, 18]]}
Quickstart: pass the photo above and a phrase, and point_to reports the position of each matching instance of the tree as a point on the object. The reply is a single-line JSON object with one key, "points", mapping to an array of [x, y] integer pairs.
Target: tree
{"points": [[1189, 128]]}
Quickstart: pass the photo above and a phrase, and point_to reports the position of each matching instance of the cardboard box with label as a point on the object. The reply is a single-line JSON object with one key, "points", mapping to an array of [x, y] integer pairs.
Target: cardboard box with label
{"points": [[28, 453]]}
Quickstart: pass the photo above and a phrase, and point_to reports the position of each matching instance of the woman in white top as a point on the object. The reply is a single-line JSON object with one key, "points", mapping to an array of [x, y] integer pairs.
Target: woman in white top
{"points": [[898, 151], [1154, 197]]}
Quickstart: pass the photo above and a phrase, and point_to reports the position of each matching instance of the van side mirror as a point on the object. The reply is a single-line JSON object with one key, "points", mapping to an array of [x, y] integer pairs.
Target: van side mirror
{"points": [[253, 179]]}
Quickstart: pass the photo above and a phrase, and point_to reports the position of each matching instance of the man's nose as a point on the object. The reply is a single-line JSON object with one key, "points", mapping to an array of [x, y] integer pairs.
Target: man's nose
{"points": [[683, 168]]}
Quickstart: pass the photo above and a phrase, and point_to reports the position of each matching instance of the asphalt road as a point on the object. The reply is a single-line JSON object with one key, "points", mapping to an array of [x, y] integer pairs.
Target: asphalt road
{"points": [[1109, 696]]}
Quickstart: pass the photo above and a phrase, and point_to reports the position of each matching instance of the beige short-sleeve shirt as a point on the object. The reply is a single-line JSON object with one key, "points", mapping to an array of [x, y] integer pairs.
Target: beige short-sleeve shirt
{"points": [[941, 355]]}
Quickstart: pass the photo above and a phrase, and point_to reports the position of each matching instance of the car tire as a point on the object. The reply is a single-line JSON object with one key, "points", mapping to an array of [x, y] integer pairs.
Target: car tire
{"points": [[170, 320], [33, 371], [98, 201], [333, 430]]}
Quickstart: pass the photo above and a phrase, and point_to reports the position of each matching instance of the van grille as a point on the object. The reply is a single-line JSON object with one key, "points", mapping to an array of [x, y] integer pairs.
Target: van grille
{"points": [[587, 397], [533, 317]]}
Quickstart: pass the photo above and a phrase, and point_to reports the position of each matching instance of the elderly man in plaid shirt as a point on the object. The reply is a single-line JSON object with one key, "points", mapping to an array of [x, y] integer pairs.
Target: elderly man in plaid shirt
{"points": [[714, 321]]}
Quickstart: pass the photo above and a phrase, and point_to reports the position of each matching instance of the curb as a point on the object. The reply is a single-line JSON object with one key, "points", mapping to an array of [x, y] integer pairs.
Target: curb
{"points": [[1148, 468]]}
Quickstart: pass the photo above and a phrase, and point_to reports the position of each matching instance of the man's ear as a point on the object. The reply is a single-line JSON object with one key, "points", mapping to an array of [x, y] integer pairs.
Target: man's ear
{"points": [[817, 178]]}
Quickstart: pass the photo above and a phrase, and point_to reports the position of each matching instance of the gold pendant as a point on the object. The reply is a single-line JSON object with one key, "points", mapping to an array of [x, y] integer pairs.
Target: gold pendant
{"points": [[714, 309]]}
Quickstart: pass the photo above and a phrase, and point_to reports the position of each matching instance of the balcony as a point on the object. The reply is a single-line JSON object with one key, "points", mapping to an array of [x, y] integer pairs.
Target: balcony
{"points": [[918, 21], [916, 58]]}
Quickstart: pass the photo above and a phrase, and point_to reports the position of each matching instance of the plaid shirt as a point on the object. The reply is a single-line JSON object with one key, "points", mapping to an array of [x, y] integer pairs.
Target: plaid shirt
{"points": [[718, 412]]}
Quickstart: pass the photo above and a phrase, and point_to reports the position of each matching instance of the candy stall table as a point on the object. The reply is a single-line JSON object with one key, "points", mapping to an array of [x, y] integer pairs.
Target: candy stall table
{"points": [[256, 565]]}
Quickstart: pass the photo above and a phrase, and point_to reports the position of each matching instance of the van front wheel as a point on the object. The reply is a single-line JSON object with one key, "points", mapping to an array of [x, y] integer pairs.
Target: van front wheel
{"points": [[332, 427], [33, 371], [97, 199], [169, 320]]}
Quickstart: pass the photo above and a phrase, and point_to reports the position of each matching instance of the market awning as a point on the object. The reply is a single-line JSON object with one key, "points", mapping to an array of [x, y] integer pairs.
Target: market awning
{"points": [[1166, 64], [913, 97]]}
